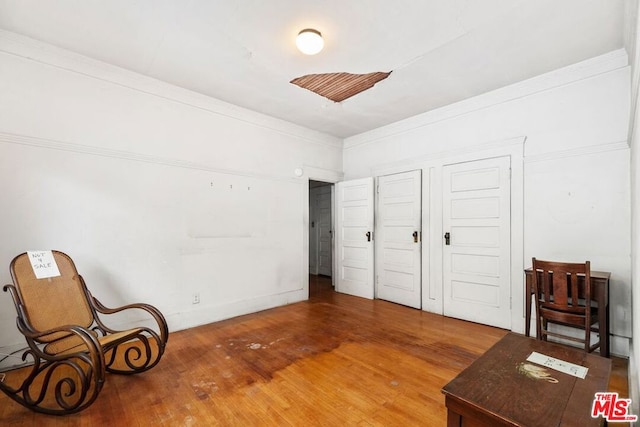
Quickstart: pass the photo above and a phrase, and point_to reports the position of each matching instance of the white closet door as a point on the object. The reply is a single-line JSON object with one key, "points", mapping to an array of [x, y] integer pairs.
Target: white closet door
{"points": [[354, 237], [476, 244], [398, 238]]}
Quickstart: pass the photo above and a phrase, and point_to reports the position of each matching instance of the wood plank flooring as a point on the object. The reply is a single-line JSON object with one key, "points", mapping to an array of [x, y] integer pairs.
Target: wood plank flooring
{"points": [[332, 360]]}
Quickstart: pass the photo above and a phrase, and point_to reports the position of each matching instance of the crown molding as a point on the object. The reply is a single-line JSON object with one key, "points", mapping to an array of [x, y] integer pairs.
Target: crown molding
{"points": [[37, 51], [608, 62]]}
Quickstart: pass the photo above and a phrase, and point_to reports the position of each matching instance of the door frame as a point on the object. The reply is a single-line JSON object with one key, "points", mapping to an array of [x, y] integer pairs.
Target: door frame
{"points": [[432, 262], [310, 173]]}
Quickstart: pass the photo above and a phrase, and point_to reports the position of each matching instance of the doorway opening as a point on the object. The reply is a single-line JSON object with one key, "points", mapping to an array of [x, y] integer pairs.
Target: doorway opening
{"points": [[321, 257]]}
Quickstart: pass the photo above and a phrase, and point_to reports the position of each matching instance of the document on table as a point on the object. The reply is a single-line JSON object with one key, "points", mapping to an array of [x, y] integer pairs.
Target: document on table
{"points": [[558, 365]]}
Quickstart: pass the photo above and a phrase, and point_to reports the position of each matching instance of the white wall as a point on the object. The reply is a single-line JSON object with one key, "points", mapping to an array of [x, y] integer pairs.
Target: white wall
{"points": [[576, 194], [156, 192], [632, 44], [634, 360]]}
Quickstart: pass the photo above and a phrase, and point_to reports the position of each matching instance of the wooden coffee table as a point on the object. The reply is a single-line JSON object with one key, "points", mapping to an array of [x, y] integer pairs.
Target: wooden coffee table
{"points": [[494, 391]]}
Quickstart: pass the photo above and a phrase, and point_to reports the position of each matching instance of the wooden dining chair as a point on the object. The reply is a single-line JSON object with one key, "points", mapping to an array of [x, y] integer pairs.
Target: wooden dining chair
{"points": [[563, 297], [70, 347]]}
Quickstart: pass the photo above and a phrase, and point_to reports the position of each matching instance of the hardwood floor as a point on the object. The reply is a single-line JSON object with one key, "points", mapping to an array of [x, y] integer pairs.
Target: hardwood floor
{"points": [[332, 360]]}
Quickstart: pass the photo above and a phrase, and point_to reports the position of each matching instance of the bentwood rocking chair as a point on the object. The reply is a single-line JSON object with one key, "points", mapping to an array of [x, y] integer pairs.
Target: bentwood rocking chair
{"points": [[71, 347]]}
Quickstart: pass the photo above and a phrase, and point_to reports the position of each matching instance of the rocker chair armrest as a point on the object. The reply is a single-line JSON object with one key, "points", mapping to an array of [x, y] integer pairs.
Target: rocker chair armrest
{"points": [[91, 347], [84, 334], [154, 312]]}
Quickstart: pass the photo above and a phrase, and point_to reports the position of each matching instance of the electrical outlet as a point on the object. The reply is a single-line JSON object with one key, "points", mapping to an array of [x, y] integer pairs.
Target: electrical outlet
{"points": [[196, 298]]}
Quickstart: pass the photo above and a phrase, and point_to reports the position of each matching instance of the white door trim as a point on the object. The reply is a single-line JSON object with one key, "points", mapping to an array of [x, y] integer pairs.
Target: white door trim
{"points": [[310, 173]]}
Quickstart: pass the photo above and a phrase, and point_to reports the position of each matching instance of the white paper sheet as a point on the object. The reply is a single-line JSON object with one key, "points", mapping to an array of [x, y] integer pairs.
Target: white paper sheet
{"points": [[43, 264], [558, 365]]}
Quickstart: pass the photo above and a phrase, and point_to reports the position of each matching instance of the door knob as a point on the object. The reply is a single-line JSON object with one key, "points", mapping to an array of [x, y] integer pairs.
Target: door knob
{"points": [[447, 238], [368, 236], [415, 237]]}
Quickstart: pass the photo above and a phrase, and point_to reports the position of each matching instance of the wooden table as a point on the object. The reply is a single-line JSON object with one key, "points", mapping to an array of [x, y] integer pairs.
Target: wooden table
{"points": [[599, 294], [494, 392]]}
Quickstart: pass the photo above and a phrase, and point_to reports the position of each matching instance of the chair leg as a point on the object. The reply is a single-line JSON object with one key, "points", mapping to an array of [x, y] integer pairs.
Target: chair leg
{"points": [[587, 339]]}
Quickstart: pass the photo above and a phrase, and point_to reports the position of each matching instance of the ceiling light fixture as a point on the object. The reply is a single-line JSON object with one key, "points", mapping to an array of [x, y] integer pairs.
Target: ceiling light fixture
{"points": [[309, 41]]}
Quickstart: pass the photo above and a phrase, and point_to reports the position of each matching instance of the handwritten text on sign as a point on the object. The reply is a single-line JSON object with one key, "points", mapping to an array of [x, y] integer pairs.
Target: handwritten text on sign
{"points": [[43, 264], [558, 365]]}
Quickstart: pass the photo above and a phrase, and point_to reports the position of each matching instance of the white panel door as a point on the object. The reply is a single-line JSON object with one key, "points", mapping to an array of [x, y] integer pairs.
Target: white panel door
{"points": [[323, 218], [354, 237], [476, 243], [398, 238]]}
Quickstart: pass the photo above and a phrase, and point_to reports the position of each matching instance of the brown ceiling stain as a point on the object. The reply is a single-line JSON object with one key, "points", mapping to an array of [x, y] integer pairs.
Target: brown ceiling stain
{"points": [[339, 86]]}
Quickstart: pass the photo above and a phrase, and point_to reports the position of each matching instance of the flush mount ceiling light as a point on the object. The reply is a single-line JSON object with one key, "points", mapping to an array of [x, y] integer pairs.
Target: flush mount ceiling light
{"points": [[309, 41]]}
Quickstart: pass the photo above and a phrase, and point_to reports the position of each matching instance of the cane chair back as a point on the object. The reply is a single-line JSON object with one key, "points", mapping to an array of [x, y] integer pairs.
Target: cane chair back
{"points": [[52, 302]]}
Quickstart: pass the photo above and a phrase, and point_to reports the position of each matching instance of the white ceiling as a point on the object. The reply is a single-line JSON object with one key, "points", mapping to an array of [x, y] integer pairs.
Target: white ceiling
{"points": [[243, 51]]}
